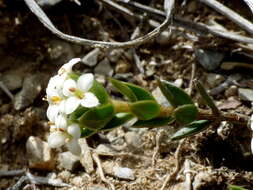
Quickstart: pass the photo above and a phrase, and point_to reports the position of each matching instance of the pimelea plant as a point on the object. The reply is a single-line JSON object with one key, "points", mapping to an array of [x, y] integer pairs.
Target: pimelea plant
{"points": [[79, 107]]}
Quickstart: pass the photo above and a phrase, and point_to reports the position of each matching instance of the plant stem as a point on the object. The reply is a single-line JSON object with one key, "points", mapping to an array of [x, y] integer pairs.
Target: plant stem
{"points": [[122, 106]]}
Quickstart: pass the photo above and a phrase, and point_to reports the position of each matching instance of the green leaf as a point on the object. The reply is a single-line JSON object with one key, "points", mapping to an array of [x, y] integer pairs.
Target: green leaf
{"points": [[78, 113], [132, 92], [139, 92], [176, 96], [118, 120], [100, 92], [186, 113], [87, 132], [235, 187], [191, 129], [156, 122], [145, 110], [123, 89], [96, 118]]}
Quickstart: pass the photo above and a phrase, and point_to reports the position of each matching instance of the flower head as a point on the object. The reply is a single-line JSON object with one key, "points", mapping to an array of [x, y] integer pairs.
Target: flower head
{"points": [[65, 95]]}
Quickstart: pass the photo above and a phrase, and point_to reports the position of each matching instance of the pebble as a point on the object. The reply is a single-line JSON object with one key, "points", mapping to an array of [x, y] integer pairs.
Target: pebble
{"points": [[178, 83], [114, 55], [68, 161], [160, 98], [103, 149], [231, 91], [40, 155], [123, 173], [12, 81], [104, 68], [97, 187], [164, 37], [60, 51], [32, 87], [113, 169], [209, 59], [122, 67], [214, 79], [91, 58], [133, 139], [85, 157], [246, 94]]}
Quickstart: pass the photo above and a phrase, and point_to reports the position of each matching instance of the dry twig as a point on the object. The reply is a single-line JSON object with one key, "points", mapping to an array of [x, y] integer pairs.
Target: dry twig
{"points": [[100, 170], [233, 16], [172, 176], [34, 7]]}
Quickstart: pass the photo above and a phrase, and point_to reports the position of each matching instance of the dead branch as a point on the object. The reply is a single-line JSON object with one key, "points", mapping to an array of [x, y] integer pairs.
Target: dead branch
{"points": [[35, 8], [230, 14]]}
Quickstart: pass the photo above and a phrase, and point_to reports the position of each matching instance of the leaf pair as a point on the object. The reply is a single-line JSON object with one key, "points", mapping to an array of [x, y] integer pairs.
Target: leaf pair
{"points": [[142, 104], [185, 111]]}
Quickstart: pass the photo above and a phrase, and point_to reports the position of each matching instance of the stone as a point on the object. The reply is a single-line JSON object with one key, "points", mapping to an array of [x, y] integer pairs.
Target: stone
{"points": [[214, 80], [133, 139], [68, 161], [97, 187], [123, 173], [104, 68], [12, 81], [164, 37], [209, 59], [32, 87], [85, 157], [104, 149], [40, 155], [231, 91], [122, 67], [246, 94], [91, 58], [160, 98], [178, 83], [114, 55]]}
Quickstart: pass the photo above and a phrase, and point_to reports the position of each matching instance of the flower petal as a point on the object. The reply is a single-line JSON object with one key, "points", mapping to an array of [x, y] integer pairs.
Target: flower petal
{"points": [[74, 131], [74, 147], [85, 82], [61, 122], [89, 100], [69, 87], [71, 104], [52, 112], [67, 68], [56, 139]]}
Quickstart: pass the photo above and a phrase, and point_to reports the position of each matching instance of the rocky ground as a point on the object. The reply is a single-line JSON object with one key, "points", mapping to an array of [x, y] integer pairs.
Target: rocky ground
{"points": [[124, 158]]}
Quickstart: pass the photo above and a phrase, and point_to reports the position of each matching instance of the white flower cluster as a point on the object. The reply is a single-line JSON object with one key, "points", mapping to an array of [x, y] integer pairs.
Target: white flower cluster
{"points": [[65, 95]]}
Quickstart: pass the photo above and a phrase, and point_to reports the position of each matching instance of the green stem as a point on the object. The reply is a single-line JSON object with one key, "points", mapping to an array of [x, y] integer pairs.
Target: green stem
{"points": [[122, 106]]}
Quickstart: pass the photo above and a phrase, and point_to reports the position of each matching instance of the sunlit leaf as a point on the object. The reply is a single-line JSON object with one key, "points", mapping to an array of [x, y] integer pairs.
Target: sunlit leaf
{"points": [[191, 129], [124, 89], [78, 113], [176, 96], [145, 110], [96, 118], [156, 122], [235, 187], [118, 120], [100, 92], [131, 91], [186, 113]]}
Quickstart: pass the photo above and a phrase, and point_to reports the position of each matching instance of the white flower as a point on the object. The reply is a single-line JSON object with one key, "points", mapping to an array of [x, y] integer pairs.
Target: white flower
{"points": [[74, 131], [54, 89], [67, 68], [61, 122], [57, 139], [70, 138], [78, 93], [52, 112], [74, 147]]}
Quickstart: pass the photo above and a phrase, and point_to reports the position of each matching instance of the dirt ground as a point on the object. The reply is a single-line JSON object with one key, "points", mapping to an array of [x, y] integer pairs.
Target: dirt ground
{"points": [[30, 55]]}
